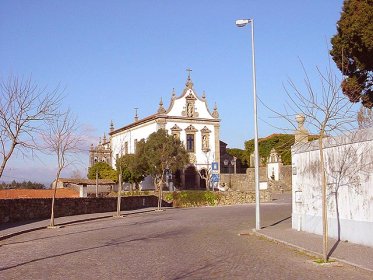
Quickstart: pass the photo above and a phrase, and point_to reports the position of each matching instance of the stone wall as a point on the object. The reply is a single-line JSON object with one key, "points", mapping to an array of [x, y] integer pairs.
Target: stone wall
{"points": [[246, 182], [240, 197], [15, 210], [285, 176], [243, 182]]}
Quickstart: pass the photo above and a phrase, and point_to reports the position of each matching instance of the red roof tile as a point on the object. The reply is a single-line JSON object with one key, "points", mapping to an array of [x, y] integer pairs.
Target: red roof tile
{"points": [[29, 193]]}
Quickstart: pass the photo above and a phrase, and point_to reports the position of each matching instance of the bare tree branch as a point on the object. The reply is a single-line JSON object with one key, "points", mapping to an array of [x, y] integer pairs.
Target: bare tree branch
{"points": [[63, 141], [24, 111]]}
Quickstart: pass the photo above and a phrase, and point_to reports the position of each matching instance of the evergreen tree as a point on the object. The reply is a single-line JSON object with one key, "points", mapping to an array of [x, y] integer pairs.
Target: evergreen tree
{"points": [[352, 50], [104, 171]]}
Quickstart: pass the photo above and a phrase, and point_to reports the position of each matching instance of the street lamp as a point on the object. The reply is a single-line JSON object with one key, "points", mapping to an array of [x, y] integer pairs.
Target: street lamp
{"points": [[242, 23], [230, 164]]}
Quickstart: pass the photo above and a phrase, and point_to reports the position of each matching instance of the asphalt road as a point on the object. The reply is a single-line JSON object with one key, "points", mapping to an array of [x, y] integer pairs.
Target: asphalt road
{"points": [[194, 243]]}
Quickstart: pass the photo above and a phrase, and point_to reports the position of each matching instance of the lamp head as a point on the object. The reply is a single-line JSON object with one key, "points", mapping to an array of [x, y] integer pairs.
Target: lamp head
{"points": [[242, 22]]}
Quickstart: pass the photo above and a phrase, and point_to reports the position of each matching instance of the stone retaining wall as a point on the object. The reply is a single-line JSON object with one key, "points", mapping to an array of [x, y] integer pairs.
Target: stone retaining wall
{"points": [[246, 182], [243, 182], [238, 197], [16, 210]]}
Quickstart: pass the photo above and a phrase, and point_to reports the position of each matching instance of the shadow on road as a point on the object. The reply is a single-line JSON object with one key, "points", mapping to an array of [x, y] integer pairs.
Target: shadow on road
{"points": [[164, 235], [278, 222], [82, 231]]}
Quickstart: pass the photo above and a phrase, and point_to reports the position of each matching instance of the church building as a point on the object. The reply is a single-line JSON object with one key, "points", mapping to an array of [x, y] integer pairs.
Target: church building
{"points": [[188, 118]]}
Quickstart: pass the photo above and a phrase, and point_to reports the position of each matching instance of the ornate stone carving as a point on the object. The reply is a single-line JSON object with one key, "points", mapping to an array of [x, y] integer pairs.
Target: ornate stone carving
{"points": [[205, 130], [161, 109], [301, 134], [111, 126], [191, 128], [176, 131], [215, 113], [205, 139], [192, 158], [205, 142], [189, 110]]}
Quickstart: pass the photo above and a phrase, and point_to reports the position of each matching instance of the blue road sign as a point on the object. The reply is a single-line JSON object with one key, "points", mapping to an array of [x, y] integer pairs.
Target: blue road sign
{"points": [[215, 178], [214, 166]]}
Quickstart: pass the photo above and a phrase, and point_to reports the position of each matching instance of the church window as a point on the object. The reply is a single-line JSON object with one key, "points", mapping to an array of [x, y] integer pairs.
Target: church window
{"points": [[135, 145], [190, 142]]}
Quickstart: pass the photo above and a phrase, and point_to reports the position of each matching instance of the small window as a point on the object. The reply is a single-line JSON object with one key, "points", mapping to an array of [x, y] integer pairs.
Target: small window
{"points": [[190, 142]]}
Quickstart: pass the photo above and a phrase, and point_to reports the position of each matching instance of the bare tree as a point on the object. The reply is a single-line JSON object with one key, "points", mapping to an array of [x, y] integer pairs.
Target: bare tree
{"points": [[76, 174], [206, 171], [24, 109], [347, 166], [63, 141], [327, 112], [365, 117]]}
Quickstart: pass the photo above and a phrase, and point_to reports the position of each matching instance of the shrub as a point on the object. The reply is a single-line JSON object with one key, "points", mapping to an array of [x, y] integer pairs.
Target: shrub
{"points": [[193, 198]]}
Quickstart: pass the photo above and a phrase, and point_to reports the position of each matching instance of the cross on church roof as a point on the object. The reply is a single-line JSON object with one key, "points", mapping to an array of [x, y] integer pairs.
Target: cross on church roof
{"points": [[189, 70]]}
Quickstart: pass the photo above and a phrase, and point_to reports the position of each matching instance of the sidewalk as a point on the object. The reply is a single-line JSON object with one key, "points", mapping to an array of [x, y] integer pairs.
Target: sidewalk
{"points": [[352, 254], [13, 229]]}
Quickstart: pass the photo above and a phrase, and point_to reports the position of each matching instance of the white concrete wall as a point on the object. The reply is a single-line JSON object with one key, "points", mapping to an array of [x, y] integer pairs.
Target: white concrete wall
{"points": [[273, 168], [349, 168]]}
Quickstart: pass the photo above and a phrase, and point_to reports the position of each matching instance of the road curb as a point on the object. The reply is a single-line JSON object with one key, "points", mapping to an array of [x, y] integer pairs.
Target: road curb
{"points": [[304, 250]]}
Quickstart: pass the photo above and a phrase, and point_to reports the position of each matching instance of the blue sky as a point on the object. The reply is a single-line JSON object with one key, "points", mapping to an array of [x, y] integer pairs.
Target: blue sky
{"points": [[112, 56]]}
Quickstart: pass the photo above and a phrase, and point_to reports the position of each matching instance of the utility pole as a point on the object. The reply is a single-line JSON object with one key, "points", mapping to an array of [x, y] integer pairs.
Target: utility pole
{"points": [[119, 193], [96, 182]]}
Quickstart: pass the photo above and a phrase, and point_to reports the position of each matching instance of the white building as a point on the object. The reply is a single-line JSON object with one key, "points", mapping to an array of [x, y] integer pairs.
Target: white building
{"points": [[187, 118], [349, 172]]}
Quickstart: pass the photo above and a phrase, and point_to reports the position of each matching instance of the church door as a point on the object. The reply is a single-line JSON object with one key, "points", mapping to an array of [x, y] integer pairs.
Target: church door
{"points": [[190, 178], [202, 181]]}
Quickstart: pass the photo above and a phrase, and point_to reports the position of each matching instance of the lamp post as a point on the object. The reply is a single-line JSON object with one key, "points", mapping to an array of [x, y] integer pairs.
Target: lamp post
{"points": [[230, 164], [242, 23]]}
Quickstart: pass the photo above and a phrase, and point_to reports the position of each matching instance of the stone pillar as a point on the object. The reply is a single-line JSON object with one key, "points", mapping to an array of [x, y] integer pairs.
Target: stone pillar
{"points": [[301, 134], [82, 190]]}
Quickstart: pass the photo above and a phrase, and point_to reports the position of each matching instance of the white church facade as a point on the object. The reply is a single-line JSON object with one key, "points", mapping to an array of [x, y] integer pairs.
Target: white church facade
{"points": [[187, 118]]}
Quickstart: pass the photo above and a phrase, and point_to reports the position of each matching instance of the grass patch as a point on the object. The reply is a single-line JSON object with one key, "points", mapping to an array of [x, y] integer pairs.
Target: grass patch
{"points": [[321, 261]]}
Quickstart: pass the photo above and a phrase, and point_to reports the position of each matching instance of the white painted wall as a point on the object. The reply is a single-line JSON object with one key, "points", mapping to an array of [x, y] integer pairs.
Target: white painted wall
{"points": [[200, 106], [349, 165], [139, 132], [273, 168], [201, 157]]}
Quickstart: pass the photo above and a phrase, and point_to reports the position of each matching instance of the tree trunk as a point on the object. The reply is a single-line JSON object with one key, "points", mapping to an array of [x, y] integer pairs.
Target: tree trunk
{"points": [[324, 198], [160, 187], [96, 182], [119, 194], [6, 158], [51, 224]]}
